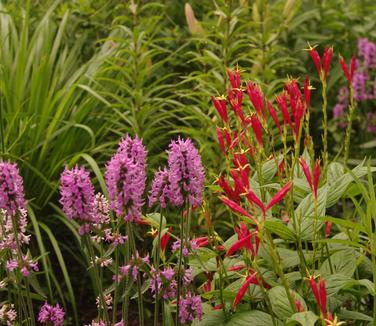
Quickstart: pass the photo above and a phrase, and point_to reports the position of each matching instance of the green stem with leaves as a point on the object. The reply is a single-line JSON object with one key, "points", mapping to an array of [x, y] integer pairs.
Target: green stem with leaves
{"points": [[349, 126]]}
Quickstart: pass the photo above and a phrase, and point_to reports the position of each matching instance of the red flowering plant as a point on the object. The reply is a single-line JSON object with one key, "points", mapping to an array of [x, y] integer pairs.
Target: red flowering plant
{"points": [[277, 192]]}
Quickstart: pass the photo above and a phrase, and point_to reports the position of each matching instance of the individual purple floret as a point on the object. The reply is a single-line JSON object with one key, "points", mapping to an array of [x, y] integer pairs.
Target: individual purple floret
{"points": [[187, 174], [126, 178], [190, 308], [77, 194], [338, 110], [12, 196], [160, 190], [51, 315]]}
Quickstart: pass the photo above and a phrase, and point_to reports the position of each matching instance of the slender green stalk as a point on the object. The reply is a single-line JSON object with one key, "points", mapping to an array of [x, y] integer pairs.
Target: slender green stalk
{"points": [[156, 267], [102, 301], [325, 128], [132, 241], [1, 127], [180, 261], [349, 126], [116, 291]]}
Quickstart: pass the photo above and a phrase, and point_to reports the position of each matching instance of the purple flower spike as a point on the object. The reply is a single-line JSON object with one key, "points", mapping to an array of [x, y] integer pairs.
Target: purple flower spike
{"points": [[190, 308], [51, 315], [187, 174], [160, 189], [77, 194], [12, 196], [126, 178]]}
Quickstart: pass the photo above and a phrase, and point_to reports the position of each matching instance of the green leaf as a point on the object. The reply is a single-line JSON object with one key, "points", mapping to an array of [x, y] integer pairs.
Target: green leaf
{"points": [[253, 317], [305, 318], [280, 229], [343, 262], [280, 303]]}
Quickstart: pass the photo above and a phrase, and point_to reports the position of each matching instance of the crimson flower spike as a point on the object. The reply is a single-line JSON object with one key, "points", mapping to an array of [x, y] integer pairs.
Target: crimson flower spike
{"points": [[348, 75], [328, 228], [279, 195], [323, 296], [257, 129], [251, 279], [316, 59], [165, 239], [234, 78], [273, 114], [252, 198], [220, 140], [306, 172], [227, 137], [233, 194], [314, 288], [220, 105], [316, 177], [282, 104], [257, 98], [307, 92], [244, 242], [236, 208], [327, 58]]}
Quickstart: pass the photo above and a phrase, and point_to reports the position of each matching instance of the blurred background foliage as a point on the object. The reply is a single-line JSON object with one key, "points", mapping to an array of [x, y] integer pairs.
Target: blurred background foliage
{"points": [[75, 76]]}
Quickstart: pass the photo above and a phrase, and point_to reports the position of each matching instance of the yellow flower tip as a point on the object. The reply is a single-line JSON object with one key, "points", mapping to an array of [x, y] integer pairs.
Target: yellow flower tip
{"points": [[153, 232], [310, 47], [334, 322]]}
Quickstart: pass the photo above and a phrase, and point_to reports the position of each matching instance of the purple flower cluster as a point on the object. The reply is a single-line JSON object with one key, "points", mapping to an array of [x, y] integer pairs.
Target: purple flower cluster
{"points": [[77, 194], [160, 188], [166, 283], [12, 196], [132, 267], [126, 178], [184, 178], [187, 174], [190, 308], [359, 84], [367, 51], [51, 315], [192, 246]]}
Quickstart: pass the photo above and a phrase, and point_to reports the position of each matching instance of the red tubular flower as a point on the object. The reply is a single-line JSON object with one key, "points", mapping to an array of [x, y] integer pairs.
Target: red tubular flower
{"points": [[282, 104], [327, 58], [273, 114], [316, 177], [235, 268], [236, 208], [298, 305], [352, 66], [218, 307], [307, 92], [348, 75], [165, 239], [220, 140], [227, 137], [222, 182], [238, 181], [314, 288], [306, 172], [323, 296], [257, 129], [220, 105], [251, 279], [257, 98], [202, 241], [208, 284], [279, 195], [234, 79], [243, 243], [316, 59], [252, 198], [328, 228]]}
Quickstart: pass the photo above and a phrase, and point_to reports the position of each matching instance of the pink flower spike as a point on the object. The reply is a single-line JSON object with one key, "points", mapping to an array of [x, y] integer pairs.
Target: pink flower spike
{"points": [[236, 208], [279, 195], [327, 58]]}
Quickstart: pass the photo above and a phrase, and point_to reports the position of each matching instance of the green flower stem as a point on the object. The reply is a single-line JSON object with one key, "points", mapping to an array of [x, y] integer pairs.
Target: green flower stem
{"points": [[132, 242], [102, 301], [325, 128], [156, 267], [278, 266], [30, 314], [349, 126], [116, 291], [180, 261]]}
